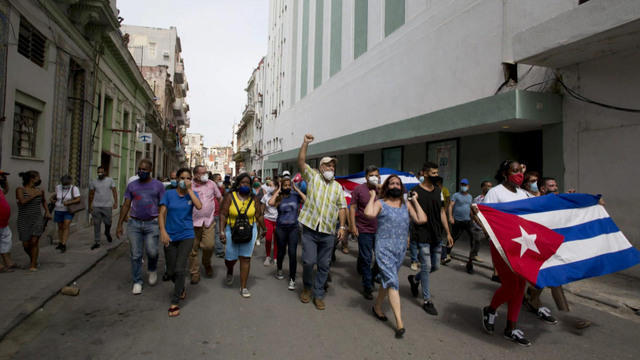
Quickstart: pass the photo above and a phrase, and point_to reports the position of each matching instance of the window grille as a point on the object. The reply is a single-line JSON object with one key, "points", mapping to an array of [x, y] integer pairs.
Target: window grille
{"points": [[25, 126], [31, 43]]}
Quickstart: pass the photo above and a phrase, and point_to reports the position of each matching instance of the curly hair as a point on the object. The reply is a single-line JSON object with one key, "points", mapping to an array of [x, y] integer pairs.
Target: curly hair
{"points": [[385, 186]]}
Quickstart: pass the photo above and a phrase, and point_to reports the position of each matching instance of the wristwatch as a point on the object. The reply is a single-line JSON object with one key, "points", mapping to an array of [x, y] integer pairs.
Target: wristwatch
{"points": [[343, 228]]}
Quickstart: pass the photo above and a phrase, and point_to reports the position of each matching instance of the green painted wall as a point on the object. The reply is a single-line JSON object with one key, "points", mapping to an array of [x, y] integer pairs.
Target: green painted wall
{"points": [[393, 15], [336, 37], [360, 26], [552, 153], [317, 53], [304, 61]]}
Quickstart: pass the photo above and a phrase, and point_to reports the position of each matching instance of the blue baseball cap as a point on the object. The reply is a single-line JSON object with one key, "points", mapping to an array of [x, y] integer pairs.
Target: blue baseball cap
{"points": [[464, 181]]}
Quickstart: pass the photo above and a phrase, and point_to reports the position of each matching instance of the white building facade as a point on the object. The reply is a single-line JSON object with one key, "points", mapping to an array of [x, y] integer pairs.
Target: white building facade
{"points": [[463, 83]]}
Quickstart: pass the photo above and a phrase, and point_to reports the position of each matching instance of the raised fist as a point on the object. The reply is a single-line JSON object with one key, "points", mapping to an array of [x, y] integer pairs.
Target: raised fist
{"points": [[308, 138]]}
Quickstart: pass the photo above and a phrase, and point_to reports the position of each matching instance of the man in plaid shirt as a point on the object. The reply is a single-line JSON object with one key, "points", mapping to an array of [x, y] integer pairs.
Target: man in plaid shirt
{"points": [[325, 204]]}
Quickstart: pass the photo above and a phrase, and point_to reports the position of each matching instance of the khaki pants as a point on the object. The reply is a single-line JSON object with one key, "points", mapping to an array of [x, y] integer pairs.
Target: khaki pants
{"points": [[205, 240]]}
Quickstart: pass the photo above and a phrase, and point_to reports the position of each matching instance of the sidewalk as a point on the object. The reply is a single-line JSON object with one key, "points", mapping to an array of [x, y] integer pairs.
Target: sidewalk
{"points": [[619, 290], [24, 292]]}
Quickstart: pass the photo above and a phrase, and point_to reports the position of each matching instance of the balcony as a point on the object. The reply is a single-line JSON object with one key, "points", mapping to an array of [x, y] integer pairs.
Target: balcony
{"points": [[249, 111], [179, 75]]}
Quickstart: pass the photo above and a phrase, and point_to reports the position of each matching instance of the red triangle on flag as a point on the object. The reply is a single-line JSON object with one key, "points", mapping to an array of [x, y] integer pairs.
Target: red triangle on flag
{"points": [[525, 245]]}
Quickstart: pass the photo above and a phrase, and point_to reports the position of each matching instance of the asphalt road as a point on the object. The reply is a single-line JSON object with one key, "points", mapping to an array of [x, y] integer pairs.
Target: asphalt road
{"points": [[107, 322]]}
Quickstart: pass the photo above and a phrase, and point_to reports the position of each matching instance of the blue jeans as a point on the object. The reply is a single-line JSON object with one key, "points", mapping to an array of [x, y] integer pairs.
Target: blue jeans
{"points": [[316, 250], [143, 235], [219, 249], [366, 243], [413, 251], [429, 257]]}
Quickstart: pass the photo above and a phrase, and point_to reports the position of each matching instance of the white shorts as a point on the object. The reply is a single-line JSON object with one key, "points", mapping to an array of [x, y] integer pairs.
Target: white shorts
{"points": [[5, 240]]}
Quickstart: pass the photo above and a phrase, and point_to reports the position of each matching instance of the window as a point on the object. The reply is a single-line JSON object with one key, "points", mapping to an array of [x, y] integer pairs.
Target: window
{"points": [[392, 158], [152, 49], [31, 43], [25, 126]]}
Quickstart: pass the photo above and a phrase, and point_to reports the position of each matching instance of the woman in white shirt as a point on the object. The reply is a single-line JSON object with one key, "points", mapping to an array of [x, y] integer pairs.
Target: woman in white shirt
{"points": [[66, 194]]}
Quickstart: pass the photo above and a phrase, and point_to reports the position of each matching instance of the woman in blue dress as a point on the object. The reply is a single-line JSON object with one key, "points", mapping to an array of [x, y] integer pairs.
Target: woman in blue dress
{"points": [[392, 238]]}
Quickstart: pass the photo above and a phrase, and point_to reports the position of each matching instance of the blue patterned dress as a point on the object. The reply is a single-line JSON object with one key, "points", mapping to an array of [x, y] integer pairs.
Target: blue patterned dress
{"points": [[391, 242]]}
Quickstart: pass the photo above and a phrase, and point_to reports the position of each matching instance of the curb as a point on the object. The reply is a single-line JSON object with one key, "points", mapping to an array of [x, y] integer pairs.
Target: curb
{"points": [[45, 298]]}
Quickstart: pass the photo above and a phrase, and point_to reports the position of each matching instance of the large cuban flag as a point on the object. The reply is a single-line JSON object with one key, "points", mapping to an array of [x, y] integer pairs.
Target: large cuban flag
{"points": [[556, 239], [349, 182]]}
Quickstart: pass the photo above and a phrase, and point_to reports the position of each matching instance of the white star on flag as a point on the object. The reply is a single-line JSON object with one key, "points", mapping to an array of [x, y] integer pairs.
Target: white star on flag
{"points": [[527, 242]]}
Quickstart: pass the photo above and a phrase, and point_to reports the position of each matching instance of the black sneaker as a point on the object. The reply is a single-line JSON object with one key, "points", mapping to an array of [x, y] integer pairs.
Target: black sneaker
{"points": [[63, 248], [109, 238], [165, 277], [414, 285], [488, 320], [470, 268], [95, 246], [429, 308], [544, 314], [517, 336], [59, 246], [367, 293]]}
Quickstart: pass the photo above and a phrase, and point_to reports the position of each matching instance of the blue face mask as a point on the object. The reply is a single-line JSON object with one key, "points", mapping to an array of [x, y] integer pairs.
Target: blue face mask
{"points": [[174, 183], [244, 190], [421, 178], [464, 188], [533, 186], [143, 175], [182, 184]]}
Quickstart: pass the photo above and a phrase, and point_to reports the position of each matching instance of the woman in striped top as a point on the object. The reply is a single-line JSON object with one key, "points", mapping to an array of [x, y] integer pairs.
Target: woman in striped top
{"points": [[30, 220]]}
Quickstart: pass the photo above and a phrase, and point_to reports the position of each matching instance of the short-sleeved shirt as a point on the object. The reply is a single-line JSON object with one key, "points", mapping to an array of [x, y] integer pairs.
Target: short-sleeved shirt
{"points": [[179, 224], [324, 200], [103, 196], [462, 206], [65, 193], [271, 212], [219, 201], [208, 193], [145, 198], [242, 206], [288, 210], [5, 211], [500, 194], [431, 203], [360, 198]]}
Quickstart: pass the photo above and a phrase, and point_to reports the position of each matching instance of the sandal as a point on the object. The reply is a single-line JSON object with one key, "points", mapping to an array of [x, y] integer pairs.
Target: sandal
{"points": [[174, 311], [183, 295]]}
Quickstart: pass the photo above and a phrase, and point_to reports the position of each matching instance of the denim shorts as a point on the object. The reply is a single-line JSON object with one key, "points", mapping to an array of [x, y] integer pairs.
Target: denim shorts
{"points": [[233, 250], [5, 240], [61, 216]]}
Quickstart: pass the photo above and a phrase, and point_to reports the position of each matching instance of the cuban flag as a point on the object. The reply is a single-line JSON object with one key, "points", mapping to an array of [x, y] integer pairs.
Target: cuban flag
{"points": [[349, 182], [552, 240]]}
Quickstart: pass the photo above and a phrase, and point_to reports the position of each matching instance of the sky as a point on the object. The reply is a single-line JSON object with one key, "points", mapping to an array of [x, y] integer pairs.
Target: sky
{"points": [[222, 43]]}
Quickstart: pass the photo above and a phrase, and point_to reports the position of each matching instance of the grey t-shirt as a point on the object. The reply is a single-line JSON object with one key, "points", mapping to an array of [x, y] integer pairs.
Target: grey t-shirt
{"points": [[103, 196]]}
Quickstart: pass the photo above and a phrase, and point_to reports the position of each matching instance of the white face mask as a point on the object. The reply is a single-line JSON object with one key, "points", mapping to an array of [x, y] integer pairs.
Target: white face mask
{"points": [[220, 183], [328, 175], [204, 178], [373, 180]]}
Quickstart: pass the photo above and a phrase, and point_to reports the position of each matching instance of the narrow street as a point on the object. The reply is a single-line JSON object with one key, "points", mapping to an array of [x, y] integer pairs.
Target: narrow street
{"points": [[106, 322]]}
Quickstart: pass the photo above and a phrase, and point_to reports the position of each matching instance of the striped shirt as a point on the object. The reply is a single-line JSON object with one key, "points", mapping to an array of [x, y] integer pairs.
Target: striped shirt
{"points": [[324, 200]]}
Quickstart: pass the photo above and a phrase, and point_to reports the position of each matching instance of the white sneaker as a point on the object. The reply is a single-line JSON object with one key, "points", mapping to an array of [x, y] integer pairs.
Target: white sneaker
{"points": [[267, 261], [292, 284], [258, 242], [153, 278], [245, 293], [137, 289]]}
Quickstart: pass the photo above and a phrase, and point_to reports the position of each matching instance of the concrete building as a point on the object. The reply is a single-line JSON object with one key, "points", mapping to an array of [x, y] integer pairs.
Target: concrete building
{"points": [[72, 96], [463, 83], [194, 149], [219, 159], [157, 52], [250, 132]]}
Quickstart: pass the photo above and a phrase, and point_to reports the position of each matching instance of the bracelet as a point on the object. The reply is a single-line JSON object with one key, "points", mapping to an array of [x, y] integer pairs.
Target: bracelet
{"points": [[343, 228]]}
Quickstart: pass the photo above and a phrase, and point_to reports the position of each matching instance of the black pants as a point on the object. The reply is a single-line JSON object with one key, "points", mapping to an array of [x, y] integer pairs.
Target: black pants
{"points": [[464, 227], [288, 237], [177, 255]]}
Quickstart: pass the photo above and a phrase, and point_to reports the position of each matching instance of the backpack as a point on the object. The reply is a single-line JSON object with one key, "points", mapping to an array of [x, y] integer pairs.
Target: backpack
{"points": [[242, 231]]}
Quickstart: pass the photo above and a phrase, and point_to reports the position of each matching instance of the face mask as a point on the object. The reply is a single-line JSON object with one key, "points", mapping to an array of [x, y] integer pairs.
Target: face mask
{"points": [[395, 192], [373, 180], [533, 186], [286, 191], [100, 176], [220, 183], [434, 179], [37, 183], [174, 183], [328, 175], [182, 184], [244, 190], [464, 188], [421, 178], [516, 178], [256, 184], [204, 178], [143, 175]]}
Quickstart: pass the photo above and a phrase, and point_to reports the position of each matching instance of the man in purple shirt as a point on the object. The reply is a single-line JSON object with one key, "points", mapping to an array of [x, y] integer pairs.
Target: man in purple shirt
{"points": [[364, 228], [142, 197]]}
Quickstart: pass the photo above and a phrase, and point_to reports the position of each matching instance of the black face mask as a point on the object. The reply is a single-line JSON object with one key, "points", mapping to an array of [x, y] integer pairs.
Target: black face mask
{"points": [[286, 191], [100, 176], [434, 179], [395, 193], [37, 183]]}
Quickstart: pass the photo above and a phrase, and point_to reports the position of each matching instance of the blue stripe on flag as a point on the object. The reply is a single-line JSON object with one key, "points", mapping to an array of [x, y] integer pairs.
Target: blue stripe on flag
{"points": [[588, 230], [546, 203], [595, 266]]}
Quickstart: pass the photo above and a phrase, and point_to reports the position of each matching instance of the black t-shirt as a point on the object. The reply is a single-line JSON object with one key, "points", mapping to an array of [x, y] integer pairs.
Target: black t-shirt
{"points": [[431, 203]]}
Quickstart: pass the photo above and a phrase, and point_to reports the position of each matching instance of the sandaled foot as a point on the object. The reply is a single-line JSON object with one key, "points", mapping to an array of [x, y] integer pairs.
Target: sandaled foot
{"points": [[183, 295], [174, 311]]}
